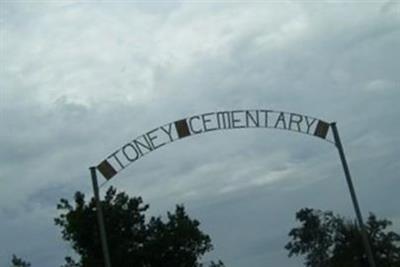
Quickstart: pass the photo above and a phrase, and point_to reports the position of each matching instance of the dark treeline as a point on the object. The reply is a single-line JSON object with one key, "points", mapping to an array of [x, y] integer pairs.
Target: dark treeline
{"points": [[323, 238]]}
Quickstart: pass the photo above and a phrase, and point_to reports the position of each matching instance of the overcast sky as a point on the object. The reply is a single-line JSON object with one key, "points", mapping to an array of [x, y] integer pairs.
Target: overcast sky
{"points": [[78, 79]]}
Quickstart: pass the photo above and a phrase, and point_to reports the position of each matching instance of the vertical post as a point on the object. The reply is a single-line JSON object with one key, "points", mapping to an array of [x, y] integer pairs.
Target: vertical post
{"points": [[367, 245], [100, 218]]}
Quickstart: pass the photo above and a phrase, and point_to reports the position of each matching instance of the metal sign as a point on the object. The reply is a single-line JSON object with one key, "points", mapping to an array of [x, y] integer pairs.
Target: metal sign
{"points": [[223, 120], [208, 122]]}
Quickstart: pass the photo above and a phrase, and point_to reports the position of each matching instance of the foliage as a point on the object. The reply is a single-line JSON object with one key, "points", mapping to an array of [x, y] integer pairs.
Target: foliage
{"points": [[133, 240], [326, 239], [217, 264], [18, 262]]}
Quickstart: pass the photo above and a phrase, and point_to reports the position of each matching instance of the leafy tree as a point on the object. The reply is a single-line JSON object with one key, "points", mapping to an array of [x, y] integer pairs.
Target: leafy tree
{"points": [[329, 240], [133, 241], [18, 262], [217, 264]]}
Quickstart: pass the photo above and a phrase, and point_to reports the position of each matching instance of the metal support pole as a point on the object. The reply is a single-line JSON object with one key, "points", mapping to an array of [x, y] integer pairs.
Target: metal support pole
{"points": [[100, 218], [367, 245]]}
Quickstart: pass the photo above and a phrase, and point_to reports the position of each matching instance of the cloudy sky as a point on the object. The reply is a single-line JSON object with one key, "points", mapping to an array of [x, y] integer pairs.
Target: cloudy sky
{"points": [[78, 79]]}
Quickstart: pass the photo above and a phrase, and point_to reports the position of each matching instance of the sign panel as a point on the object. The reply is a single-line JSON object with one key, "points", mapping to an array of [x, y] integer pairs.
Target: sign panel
{"points": [[208, 122]]}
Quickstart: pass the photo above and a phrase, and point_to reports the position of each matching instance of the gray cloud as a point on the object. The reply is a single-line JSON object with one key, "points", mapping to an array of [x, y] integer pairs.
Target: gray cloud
{"points": [[80, 79]]}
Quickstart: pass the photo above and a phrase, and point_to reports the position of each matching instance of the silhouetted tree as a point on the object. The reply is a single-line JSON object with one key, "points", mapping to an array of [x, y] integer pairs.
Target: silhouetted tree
{"points": [[329, 240], [18, 262], [133, 242], [217, 264]]}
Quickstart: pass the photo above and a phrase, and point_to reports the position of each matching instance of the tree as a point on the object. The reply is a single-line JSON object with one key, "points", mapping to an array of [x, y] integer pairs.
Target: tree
{"points": [[329, 240], [18, 262], [133, 241], [217, 264]]}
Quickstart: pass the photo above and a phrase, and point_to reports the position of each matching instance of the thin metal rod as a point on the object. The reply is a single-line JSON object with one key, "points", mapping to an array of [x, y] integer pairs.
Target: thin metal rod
{"points": [[366, 242], [100, 218]]}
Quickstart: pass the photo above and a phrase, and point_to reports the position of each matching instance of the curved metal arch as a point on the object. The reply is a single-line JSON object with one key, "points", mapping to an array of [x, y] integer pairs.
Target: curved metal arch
{"points": [[208, 122], [222, 120]]}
